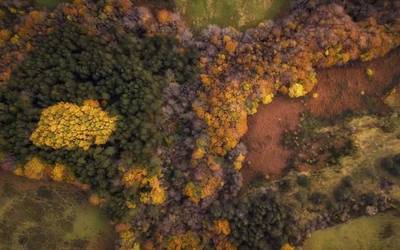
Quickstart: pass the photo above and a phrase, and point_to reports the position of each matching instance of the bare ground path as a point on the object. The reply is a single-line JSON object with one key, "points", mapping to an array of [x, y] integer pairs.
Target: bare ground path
{"points": [[356, 87]]}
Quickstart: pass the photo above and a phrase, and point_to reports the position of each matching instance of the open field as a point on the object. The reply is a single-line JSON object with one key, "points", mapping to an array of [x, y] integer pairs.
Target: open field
{"points": [[40, 215], [370, 233]]}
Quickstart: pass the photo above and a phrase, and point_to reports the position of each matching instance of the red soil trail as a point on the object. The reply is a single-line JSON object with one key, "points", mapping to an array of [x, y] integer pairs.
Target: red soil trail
{"points": [[339, 89], [350, 88], [263, 139]]}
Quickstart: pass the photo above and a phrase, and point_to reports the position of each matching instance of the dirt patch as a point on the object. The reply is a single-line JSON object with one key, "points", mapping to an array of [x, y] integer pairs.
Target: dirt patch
{"points": [[356, 87], [266, 153]]}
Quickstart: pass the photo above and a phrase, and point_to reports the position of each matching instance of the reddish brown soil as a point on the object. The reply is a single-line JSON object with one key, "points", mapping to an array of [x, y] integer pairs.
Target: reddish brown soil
{"points": [[263, 139], [349, 88], [339, 89]]}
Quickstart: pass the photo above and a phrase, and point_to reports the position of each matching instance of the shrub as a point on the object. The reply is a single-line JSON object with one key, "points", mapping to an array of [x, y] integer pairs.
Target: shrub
{"points": [[344, 190], [301, 196], [187, 240], [303, 180], [317, 198], [285, 185], [392, 165], [222, 226]]}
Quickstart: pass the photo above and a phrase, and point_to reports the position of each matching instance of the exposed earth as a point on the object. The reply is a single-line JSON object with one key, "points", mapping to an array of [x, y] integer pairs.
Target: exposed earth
{"points": [[340, 90]]}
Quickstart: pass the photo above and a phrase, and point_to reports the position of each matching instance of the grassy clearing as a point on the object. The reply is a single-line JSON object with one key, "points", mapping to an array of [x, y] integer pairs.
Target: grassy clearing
{"points": [[370, 233], [39, 215], [372, 144], [48, 3], [236, 13]]}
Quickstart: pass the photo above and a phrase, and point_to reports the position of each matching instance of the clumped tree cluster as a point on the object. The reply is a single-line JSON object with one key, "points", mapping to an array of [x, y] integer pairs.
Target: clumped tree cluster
{"points": [[68, 126], [282, 57], [126, 78], [116, 54], [259, 220]]}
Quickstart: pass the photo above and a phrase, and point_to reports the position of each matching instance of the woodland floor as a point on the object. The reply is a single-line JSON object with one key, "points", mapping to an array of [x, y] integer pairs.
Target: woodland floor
{"points": [[339, 90]]}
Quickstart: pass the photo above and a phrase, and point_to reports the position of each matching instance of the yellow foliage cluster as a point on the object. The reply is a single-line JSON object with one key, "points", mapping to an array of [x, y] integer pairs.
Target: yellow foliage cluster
{"points": [[61, 173], [157, 195], [5, 35], [127, 238], [95, 199], [297, 90], [37, 169], [225, 106], [222, 226], [69, 126], [33, 169], [133, 175], [184, 241], [225, 244], [230, 44], [211, 186], [238, 163], [225, 114], [198, 154], [193, 192], [205, 189], [287, 246]]}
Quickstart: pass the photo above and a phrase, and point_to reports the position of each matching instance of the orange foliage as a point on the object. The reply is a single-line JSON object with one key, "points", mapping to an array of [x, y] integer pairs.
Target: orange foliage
{"points": [[222, 226], [133, 175], [184, 241], [164, 16], [95, 200], [225, 245], [204, 189], [287, 246]]}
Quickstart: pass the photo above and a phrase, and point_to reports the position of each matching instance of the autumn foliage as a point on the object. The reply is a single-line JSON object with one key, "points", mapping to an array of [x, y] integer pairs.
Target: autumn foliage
{"points": [[68, 126], [129, 102]]}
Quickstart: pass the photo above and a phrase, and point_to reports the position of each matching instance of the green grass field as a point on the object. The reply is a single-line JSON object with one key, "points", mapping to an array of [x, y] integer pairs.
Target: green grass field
{"points": [[199, 14], [236, 13], [48, 3], [39, 215], [380, 232]]}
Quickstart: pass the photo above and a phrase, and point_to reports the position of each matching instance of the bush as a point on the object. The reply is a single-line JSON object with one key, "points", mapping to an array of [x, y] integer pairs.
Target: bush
{"points": [[303, 180], [344, 191], [285, 185], [317, 198], [392, 165]]}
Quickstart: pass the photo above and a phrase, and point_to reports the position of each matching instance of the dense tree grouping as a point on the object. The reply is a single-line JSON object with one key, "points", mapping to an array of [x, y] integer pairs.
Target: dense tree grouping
{"points": [[126, 78], [126, 101]]}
